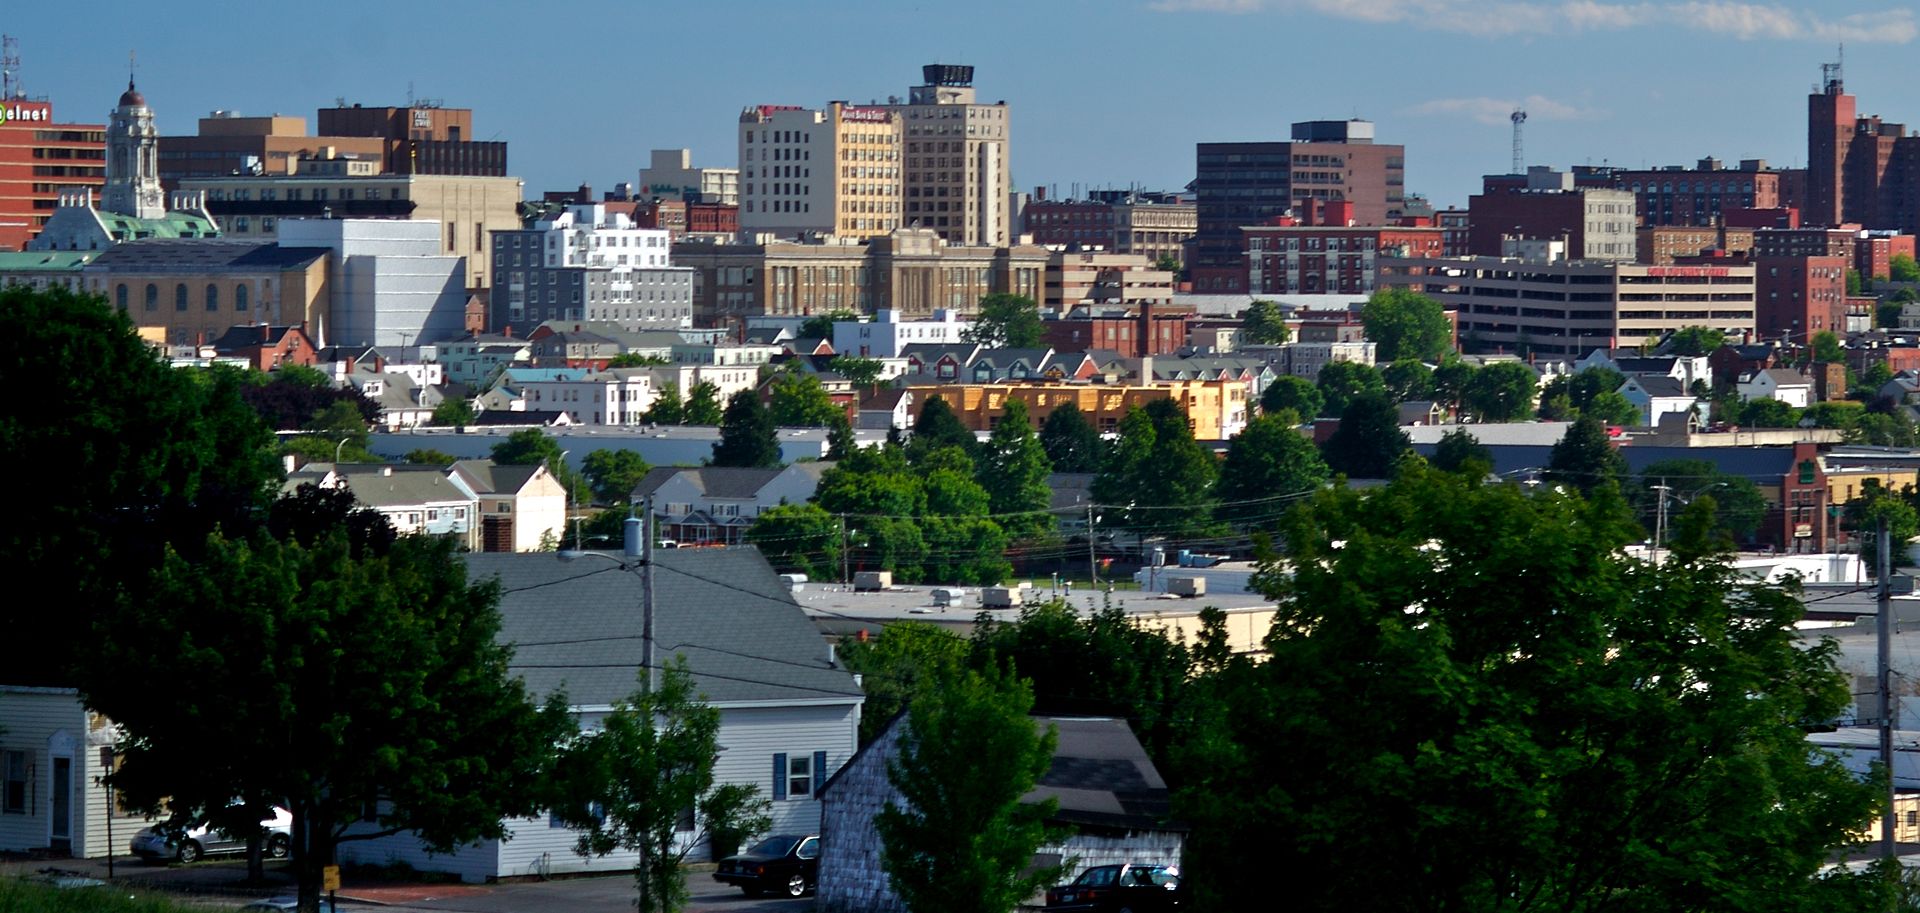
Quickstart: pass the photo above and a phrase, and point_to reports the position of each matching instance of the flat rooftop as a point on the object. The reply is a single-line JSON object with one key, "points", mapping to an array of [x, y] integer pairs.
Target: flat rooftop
{"points": [[836, 608]]}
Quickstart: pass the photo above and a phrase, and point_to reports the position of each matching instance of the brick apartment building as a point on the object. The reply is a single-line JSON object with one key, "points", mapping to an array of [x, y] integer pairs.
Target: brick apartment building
{"points": [[1597, 223], [1295, 257], [1860, 170], [38, 157], [1241, 184], [1146, 330], [1155, 226]]}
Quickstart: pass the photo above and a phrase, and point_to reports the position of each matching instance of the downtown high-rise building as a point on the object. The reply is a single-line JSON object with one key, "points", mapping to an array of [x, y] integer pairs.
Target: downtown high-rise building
{"points": [[957, 178]]}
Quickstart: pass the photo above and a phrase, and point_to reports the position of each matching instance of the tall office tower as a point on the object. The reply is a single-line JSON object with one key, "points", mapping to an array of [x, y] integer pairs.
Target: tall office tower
{"points": [[1242, 184], [957, 159], [829, 171]]}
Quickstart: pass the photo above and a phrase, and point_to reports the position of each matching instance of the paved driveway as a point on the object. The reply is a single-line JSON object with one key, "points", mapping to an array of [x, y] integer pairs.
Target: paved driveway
{"points": [[600, 894]]}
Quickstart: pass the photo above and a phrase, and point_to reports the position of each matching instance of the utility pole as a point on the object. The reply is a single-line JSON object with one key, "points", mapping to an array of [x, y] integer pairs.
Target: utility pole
{"points": [[1093, 566], [1659, 518], [1884, 626], [846, 555], [646, 587]]}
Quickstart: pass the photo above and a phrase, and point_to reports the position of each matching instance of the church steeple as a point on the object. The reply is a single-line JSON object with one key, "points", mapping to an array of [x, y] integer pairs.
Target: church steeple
{"points": [[133, 160]]}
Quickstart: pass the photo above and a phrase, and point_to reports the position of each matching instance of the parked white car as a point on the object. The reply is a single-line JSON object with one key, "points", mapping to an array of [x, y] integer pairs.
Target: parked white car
{"points": [[201, 835]]}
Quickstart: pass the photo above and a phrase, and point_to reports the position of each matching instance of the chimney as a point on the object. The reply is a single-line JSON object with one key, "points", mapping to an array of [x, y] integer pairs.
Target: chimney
{"points": [[266, 333]]}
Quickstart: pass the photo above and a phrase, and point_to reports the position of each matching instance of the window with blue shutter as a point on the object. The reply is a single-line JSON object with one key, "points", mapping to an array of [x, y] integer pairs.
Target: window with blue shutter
{"points": [[779, 777], [819, 772]]}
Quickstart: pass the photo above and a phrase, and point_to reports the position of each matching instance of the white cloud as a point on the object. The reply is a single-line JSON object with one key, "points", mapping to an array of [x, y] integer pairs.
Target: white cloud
{"points": [[1495, 111], [1492, 18]]}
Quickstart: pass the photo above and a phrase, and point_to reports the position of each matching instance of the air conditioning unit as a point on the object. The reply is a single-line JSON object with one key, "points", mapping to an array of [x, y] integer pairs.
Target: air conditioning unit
{"points": [[872, 581], [1001, 597], [1187, 587]]}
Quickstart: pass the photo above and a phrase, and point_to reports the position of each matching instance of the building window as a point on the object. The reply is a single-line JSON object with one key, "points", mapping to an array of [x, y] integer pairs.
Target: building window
{"points": [[120, 296], [240, 297], [13, 782], [213, 297], [180, 297], [797, 774], [153, 297]]}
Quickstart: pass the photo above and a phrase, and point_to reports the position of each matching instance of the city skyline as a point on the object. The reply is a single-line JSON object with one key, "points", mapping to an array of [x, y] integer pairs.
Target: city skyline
{"points": [[1100, 94]]}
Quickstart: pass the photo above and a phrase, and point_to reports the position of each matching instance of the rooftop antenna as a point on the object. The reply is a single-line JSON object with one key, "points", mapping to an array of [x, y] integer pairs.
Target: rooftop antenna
{"points": [[409, 93], [1519, 157], [10, 68]]}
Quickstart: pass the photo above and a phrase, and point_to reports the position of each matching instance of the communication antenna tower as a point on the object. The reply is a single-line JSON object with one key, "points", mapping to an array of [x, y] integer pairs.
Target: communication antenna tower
{"points": [[1519, 156], [10, 68]]}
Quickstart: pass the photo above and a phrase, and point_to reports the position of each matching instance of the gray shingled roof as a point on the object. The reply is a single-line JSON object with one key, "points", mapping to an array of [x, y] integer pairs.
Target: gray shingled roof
{"points": [[712, 481], [399, 486], [489, 477], [1101, 775], [706, 601], [199, 255]]}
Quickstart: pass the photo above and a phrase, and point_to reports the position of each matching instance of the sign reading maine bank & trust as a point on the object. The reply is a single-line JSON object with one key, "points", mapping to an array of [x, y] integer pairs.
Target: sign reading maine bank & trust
{"points": [[25, 112]]}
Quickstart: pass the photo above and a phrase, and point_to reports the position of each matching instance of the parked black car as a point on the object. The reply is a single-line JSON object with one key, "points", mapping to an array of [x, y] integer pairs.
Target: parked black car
{"points": [[1135, 888], [787, 864]]}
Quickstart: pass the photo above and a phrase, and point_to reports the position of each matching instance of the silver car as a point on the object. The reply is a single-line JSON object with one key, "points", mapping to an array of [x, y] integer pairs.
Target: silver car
{"points": [[201, 835]]}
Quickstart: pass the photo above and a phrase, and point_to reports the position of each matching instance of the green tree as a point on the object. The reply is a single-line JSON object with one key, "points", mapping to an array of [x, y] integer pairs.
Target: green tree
{"points": [[703, 405], [1460, 452], [862, 372], [820, 326], [1408, 379], [906, 659], [1341, 382], [1265, 462], [1613, 408], [1692, 341], [1169, 263], [1405, 324], [1157, 467], [613, 474], [145, 454], [1840, 415], [1902, 268], [1585, 459], [748, 436], [427, 456], [628, 784], [636, 360], [1500, 392], [1071, 442], [840, 438], [937, 426], [799, 538], [344, 683], [453, 412], [1882, 429], [800, 401], [1013, 468], [1627, 750], [961, 840], [1826, 347], [1264, 323], [531, 447], [1863, 515], [1450, 380], [1854, 283], [1886, 314], [1294, 393], [1006, 322], [1768, 413], [668, 408], [1369, 442]]}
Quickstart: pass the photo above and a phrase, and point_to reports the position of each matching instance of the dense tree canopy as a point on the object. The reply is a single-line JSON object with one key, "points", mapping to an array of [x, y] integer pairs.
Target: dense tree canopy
{"points": [[702, 406], [1406, 324], [1158, 469], [1691, 341], [1500, 392], [531, 446], [1459, 451], [1293, 393], [1266, 462], [1342, 382], [1585, 458], [800, 401], [936, 426], [1739, 507], [748, 436], [668, 407], [1423, 724], [1369, 442], [1408, 379], [1264, 323], [1013, 468], [144, 455], [1071, 442], [799, 538], [613, 474]]}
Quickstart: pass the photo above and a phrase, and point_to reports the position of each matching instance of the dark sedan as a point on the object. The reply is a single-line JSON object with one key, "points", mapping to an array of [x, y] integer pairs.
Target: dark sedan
{"points": [[1135, 888], [787, 864]]}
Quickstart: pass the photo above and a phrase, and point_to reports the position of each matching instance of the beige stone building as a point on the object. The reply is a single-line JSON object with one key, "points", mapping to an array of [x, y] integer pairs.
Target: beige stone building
{"points": [[912, 272], [186, 291], [831, 171], [467, 207], [957, 160]]}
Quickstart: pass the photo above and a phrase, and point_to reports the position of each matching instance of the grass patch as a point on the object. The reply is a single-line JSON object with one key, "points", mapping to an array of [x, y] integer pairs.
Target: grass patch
{"points": [[23, 896]]}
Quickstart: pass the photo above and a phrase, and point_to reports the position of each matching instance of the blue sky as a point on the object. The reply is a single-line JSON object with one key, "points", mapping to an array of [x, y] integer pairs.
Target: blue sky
{"points": [[1104, 92]]}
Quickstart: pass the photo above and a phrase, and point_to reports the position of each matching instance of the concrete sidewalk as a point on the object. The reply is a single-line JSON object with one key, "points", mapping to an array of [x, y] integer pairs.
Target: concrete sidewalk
{"points": [[227, 878]]}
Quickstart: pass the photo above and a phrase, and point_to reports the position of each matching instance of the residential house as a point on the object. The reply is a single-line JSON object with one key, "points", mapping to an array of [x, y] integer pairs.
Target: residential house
{"points": [[1784, 384], [888, 407], [789, 714], [1729, 363], [1422, 412], [522, 508], [1684, 368], [476, 360], [1112, 804], [715, 504], [939, 361], [1656, 397], [415, 499], [887, 336], [403, 402], [1307, 359], [620, 396], [811, 348], [53, 752], [267, 347]]}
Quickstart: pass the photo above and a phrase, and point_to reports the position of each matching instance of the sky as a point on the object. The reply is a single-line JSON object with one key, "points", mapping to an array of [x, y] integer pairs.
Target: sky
{"points": [[1103, 93]]}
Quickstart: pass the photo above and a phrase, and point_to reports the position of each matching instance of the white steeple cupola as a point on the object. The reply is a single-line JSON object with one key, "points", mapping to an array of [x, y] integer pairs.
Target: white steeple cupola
{"points": [[133, 160]]}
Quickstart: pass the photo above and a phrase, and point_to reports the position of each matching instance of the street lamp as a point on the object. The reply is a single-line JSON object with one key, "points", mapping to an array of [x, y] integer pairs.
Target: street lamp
{"points": [[1660, 509]]}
